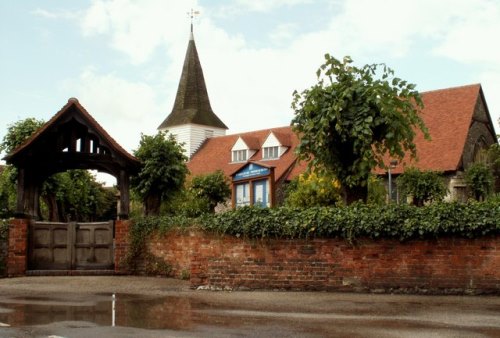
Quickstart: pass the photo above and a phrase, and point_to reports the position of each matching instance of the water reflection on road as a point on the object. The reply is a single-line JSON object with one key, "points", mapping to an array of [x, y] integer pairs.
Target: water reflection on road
{"points": [[200, 315]]}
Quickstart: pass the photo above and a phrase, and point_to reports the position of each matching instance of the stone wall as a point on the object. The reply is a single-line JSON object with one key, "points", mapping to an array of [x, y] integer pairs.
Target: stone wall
{"points": [[448, 265]]}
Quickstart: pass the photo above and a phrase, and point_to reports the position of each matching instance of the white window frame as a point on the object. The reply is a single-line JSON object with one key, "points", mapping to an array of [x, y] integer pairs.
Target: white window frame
{"points": [[271, 153], [240, 155]]}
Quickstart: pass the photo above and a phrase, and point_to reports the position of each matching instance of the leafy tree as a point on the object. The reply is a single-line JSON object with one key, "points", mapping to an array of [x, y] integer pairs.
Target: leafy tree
{"points": [[422, 186], [75, 195], [310, 190], [19, 132], [162, 173], [213, 187], [479, 179], [7, 191], [351, 118]]}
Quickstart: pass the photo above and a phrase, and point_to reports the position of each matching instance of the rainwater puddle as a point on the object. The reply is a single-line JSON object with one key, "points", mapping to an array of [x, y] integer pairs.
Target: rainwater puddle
{"points": [[175, 313]]}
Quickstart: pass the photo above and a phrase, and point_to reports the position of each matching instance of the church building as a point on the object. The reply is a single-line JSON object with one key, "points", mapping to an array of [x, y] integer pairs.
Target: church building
{"points": [[259, 163]]}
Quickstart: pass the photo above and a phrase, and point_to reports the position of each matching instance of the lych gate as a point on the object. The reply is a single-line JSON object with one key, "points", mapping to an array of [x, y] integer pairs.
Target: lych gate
{"points": [[72, 139]]}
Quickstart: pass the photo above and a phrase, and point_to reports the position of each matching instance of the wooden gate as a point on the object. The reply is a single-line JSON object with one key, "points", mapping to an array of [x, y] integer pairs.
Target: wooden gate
{"points": [[70, 246]]}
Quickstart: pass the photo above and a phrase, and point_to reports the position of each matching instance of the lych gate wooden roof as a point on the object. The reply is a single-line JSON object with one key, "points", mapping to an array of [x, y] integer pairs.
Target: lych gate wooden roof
{"points": [[71, 139]]}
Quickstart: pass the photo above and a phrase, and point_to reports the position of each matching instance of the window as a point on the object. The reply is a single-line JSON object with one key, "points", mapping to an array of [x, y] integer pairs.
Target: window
{"points": [[270, 153], [242, 194], [239, 155]]}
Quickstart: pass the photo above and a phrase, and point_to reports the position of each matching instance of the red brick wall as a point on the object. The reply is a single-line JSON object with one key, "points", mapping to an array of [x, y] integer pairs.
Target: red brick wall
{"points": [[121, 245], [450, 265], [17, 256]]}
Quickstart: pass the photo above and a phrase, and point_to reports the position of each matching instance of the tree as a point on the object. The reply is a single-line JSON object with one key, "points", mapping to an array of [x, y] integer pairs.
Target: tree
{"points": [[351, 118], [75, 195], [17, 134], [162, 173], [213, 187], [422, 186]]}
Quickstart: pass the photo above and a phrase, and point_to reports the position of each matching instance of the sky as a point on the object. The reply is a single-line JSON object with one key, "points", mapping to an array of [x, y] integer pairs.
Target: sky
{"points": [[122, 59]]}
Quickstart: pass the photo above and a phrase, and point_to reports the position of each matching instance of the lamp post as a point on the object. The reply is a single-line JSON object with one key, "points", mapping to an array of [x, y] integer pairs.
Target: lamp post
{"points": [[392, 165]]}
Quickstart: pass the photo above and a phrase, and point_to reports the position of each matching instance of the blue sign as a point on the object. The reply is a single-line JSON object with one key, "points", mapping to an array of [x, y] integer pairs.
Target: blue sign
{"points": [[251, 170]]}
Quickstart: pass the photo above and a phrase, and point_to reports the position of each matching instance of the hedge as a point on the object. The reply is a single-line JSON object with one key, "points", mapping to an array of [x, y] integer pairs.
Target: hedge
{"points": [[359, 220]]}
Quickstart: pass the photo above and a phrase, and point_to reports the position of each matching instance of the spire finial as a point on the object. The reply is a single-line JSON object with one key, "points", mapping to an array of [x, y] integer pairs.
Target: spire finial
{"points": [[191, 14]]}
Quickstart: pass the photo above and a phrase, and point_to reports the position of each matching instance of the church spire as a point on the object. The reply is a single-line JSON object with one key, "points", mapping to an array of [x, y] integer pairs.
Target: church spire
{"points": [[192, 105]]}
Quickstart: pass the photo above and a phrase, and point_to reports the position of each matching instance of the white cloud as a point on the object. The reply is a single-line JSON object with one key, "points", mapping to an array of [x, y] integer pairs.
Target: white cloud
{"points": [[123, 108], [60, 14], [250, 88], [471, 37], [266, 5], [137, 28]]}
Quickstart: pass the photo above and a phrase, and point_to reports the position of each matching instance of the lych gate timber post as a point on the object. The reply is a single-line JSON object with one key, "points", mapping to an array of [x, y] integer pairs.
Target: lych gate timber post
{"points": [[71, 139]]}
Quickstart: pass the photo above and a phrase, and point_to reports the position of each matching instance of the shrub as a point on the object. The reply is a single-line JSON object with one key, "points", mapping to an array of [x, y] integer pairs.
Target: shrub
{"points": [[479, 179], [309, 190], [422, 186]]}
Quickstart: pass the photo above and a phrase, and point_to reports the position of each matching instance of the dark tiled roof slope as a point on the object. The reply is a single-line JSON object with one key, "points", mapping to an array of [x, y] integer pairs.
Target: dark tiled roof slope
{"points": [[215, 153], [66, 109], [192, 104]]}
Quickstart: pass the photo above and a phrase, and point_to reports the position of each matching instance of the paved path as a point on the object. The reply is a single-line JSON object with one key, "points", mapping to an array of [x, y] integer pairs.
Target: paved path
{"points": [[159, 307]]}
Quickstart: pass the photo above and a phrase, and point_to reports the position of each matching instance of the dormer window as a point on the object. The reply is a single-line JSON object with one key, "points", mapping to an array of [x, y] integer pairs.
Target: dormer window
{"points": [[239, 155], [270, 153], [274, 146]]}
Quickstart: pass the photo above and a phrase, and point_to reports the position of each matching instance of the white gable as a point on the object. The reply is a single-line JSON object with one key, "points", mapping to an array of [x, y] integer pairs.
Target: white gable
{"points": [[240, 145], [271, 141]]}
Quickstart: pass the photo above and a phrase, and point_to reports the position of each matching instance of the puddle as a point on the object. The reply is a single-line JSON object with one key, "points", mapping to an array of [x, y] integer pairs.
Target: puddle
{"points": [[126, 310]]}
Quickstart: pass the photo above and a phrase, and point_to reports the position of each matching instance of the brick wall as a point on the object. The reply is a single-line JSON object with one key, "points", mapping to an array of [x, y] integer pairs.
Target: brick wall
{"points": [[121, 245], [448, 265], [17, 256]]}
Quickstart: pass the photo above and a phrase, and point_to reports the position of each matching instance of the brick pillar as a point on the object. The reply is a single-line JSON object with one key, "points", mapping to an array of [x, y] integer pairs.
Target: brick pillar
{"points": [[17, 257], [122, 227]]}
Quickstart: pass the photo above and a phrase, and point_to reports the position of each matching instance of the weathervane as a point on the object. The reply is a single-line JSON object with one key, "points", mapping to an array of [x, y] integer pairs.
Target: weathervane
{"points": [[191, 15]]}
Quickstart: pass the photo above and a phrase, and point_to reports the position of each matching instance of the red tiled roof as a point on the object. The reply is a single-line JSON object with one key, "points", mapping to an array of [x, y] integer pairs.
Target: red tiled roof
{"points": [[215, 153], [447, 114]]}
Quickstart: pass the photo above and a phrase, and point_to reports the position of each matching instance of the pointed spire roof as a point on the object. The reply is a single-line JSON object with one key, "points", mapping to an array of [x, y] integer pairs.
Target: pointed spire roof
{"points": [[192, 104]]}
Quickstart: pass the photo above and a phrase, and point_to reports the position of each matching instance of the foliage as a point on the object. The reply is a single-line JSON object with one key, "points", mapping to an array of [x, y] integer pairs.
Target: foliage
{"points": [[162, 173], [213, 187], [360, 220], [479, 179], [79, 197], [352, 117], [185, 203], [19, 132], [309, 190], [7, 191], [4, 237], [376, 191], [422, 186]]}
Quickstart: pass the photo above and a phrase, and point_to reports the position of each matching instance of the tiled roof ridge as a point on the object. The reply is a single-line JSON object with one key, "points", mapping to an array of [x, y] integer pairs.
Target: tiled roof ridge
{"points": [[451, 88]]}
